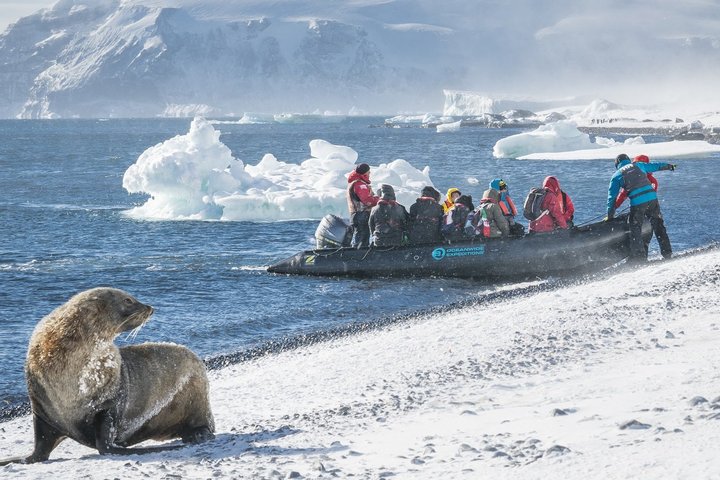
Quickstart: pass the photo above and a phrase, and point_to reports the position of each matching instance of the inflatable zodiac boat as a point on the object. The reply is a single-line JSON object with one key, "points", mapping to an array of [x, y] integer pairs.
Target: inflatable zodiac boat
{"points": [[580, 249]]}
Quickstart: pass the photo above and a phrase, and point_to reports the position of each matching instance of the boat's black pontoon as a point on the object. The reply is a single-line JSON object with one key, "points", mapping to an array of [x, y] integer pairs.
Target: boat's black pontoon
{"points": [[586, 248]]}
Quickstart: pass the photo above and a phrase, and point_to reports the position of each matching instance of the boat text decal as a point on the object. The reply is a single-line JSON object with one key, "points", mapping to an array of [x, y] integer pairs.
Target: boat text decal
{"points": [[440, 252], [310, 260]]}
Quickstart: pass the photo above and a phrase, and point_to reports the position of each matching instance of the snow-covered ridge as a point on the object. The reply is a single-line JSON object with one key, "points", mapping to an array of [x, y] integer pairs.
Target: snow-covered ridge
{"points": [[147, 58], [136, 57]]}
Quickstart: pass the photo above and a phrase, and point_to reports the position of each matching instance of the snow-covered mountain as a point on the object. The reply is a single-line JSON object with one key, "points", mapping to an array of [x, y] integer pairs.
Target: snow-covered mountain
{"points": [[180, 57]]}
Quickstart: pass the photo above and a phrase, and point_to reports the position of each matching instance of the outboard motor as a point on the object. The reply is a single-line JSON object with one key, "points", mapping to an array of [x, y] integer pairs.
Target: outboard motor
{"points": [[333, 232]]}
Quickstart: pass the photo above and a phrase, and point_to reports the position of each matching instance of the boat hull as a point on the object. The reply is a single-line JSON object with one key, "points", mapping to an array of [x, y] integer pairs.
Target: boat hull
{"points": [[586, 248]]}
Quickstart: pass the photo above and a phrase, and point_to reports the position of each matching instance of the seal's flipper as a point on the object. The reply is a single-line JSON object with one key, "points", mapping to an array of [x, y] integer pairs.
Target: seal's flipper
{"points": [[198, 435], [47, 438], [106, 444]]}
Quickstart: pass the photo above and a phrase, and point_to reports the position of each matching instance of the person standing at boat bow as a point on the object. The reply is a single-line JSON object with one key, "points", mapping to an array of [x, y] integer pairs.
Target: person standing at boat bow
{"points": [[643, 203], [360, 201]]}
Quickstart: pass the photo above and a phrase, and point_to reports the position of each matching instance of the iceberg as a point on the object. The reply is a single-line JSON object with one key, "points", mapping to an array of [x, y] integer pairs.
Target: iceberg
{"points": [[467, 104], [449, 127], [656, 151], [560, 136], [563, 141], [195, 177]]}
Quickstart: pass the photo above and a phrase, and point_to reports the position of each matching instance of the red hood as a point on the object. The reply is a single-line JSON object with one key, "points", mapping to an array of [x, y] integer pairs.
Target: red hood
{"points": [[356, 176], [552, 184]]}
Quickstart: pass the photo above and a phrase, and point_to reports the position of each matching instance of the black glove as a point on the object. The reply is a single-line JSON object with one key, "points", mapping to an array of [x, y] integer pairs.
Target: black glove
{"points": [[670, 166], [610, 216]]}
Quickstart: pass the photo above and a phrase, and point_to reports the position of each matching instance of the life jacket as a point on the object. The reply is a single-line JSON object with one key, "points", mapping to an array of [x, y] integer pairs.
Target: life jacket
{"points": [[388, 219], [426, 213], [507, 206], [354, 202], [448, 203], [532, 208], [425, 217], [637, 184]]}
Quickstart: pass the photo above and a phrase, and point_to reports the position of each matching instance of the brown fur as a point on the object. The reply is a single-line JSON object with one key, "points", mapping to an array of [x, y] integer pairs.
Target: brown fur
{"points": [[77, 376]]}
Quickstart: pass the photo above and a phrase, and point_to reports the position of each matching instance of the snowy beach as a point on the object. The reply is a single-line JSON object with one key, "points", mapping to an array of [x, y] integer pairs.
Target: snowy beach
{"points": [[580, 379]]}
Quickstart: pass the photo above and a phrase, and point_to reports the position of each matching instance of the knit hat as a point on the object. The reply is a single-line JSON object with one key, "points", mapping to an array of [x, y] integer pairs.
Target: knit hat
{"points": [[362, 169], [466, 200], [620, 159], [430, 192], [387, 192]]}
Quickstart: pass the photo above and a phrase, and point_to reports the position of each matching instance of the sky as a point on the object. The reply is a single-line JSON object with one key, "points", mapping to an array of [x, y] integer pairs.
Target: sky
{"points": [[12, 11]]}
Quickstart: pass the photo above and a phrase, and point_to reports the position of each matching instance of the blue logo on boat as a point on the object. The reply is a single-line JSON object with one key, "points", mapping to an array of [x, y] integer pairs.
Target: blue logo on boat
{"points": [[438, 253]]}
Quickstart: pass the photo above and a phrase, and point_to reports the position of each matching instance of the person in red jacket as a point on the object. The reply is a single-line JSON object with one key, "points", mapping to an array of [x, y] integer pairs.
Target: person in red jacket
{"points": [[557, 207], [360, 201], [653, 181]]}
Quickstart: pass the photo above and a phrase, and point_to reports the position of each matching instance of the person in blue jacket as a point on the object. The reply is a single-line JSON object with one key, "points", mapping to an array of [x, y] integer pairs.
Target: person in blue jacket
{"points": [[643, 203], [507, 206]]}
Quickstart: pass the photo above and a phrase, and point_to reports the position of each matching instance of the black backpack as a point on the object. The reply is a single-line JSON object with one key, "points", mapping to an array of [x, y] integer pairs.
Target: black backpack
{"points": [[532, 207]]}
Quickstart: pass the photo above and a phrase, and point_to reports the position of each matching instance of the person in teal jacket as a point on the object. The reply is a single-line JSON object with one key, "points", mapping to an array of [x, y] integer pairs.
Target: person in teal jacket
{"points": [[507, 206], [643, 204]]}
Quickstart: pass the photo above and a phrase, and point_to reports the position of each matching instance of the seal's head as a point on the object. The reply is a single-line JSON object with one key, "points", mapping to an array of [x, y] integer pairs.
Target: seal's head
{"points": [[101, 312], [118, 309]]}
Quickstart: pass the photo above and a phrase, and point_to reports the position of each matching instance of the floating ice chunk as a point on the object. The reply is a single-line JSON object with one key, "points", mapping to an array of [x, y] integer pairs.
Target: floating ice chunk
{"points": [[449, 127], [195, 176], [634, 141], [418, 120], [254, 119], [656, 151], [183, 174], [293, 118], [327, 151], [461, 103], [560, 136]]}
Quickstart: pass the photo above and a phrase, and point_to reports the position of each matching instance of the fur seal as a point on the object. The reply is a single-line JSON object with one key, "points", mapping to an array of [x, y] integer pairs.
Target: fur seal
{"points": [[82, 386]]}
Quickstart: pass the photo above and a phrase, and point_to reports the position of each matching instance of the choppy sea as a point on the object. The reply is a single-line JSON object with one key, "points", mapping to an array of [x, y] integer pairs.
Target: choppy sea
{"points": [[64, 229]]}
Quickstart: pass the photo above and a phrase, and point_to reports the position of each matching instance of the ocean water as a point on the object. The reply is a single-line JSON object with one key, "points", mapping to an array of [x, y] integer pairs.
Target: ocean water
{"points": [[64, 229]]}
